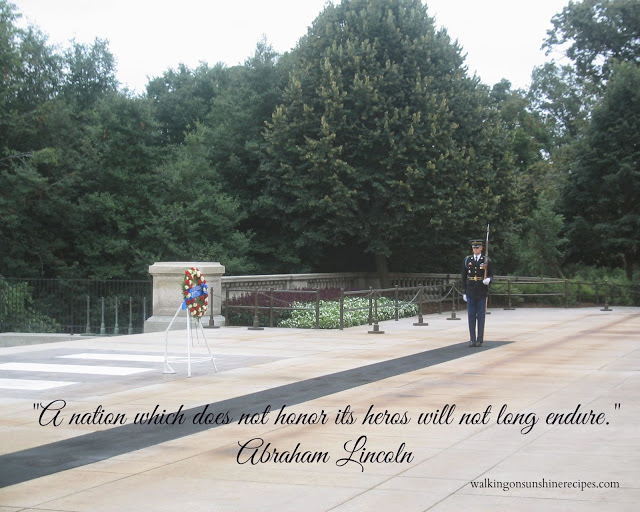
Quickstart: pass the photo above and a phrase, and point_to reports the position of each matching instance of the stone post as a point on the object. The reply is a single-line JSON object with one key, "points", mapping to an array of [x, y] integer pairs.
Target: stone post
{"points": [[167, 293]]}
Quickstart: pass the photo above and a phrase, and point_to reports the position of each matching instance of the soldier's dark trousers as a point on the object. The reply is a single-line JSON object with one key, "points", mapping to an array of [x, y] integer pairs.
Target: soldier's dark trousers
{"points": [[476, 311]]}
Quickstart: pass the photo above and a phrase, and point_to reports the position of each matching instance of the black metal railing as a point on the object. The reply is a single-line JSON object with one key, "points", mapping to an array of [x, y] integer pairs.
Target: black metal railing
{"points": [[74, 306], [261, 306], [79, 306], [511, 292], [271, 304]]}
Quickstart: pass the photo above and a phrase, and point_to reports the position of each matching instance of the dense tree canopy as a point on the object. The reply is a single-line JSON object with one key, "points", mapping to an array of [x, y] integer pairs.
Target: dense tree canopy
{"points": [[382, 140], [598, 33], [368, 143], [591, 107], [604, 186], [183, 98]]}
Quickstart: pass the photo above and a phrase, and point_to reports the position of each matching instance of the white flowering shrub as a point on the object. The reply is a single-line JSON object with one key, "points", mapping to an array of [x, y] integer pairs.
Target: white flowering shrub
{"points": [[356, 312]]}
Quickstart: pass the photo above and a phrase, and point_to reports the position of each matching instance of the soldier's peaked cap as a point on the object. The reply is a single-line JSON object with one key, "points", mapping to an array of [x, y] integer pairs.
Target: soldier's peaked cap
{"points": [[476, 241]]}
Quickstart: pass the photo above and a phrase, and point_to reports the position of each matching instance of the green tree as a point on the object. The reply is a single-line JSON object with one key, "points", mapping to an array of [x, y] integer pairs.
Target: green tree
{"points": [[596, 34], [115, 193], [530, 143], [89, 73], [383, 145], [194, 217], [75, 155], [183, 97], [30, 73], [237, 121], [543, 247], [237, 118], [604, 186], [559, 95], [593, 35]]}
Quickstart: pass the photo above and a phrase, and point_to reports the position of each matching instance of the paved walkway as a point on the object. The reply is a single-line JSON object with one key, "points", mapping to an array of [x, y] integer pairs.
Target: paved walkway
{"points": [[543, 417]]}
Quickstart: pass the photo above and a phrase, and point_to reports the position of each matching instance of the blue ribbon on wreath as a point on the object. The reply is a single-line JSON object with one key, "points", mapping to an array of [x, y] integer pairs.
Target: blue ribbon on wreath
{"points": [[196, 292]]}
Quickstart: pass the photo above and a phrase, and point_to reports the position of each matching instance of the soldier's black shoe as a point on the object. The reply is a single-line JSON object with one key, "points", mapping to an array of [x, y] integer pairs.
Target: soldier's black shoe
{"points": [[478, 343], [472, 343]]}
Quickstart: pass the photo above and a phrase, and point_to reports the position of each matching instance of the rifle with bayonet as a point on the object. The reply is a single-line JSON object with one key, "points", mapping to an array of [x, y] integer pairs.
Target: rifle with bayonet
{"points": [[486, 268], [486, 254]]}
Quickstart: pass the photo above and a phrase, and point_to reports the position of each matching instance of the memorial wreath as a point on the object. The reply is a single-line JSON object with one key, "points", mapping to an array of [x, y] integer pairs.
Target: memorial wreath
{"points": [[196, 292]]}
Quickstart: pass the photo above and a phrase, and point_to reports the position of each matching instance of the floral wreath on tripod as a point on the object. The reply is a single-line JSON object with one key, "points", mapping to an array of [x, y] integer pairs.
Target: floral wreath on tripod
{"points": [[196, 292]]}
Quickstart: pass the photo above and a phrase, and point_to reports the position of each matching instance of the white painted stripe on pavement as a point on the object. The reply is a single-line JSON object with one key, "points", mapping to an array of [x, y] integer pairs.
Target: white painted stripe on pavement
{"points": [[141, 358], [33, 385], [72, 368]]}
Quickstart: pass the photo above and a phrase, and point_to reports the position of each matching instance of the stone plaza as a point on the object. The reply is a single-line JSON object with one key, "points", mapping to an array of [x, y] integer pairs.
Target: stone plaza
{"points": [[544, 416]]}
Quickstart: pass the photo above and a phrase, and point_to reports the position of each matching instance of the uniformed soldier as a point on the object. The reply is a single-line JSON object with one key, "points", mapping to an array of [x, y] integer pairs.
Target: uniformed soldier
{"points": [[475, 283]]}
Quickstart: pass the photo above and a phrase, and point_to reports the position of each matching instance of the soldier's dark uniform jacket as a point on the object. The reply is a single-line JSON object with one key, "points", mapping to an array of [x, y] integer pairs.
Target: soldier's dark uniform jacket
{"points": [[472, 276]]}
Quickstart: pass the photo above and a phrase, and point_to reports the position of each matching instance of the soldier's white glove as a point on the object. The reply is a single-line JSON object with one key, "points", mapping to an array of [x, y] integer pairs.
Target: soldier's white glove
{"points": [[487, 281], [464, 297]]}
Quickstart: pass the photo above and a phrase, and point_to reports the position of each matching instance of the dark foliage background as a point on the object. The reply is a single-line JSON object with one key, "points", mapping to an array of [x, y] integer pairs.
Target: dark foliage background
{"points": [[367, 147]]}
